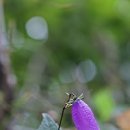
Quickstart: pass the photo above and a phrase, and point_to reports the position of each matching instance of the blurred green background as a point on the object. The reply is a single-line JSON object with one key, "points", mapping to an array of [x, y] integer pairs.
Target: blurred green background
{"points": [[58, 46]]}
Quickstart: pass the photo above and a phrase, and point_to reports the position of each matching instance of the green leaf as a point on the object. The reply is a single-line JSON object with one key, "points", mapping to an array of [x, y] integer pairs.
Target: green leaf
{"points": [[48, 123]]}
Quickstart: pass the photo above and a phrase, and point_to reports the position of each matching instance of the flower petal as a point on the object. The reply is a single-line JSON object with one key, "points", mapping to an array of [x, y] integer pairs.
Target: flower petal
{"points": [[83, 116]]}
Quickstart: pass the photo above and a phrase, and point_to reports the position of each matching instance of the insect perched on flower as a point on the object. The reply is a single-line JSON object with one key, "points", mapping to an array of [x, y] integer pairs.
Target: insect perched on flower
{"points": [[82, 114]]}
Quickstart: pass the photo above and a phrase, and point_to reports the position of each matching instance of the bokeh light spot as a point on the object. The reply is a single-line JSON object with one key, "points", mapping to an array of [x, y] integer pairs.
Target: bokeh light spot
{"points": [[86, 71], [37, 28]]}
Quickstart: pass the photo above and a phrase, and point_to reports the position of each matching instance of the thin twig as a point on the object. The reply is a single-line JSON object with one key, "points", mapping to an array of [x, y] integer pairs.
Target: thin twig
{"points": [[63, 111]]}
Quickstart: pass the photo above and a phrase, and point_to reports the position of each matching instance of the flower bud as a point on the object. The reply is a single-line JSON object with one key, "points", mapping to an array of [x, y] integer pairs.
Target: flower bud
{"points": [[83, 116]]}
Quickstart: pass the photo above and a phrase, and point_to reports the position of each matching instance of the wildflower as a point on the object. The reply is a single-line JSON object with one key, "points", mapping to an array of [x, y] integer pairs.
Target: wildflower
{"points": [[83, 116]]}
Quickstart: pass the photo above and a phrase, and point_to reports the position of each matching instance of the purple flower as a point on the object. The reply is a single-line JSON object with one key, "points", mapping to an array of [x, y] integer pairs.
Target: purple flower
{"points": [[83, 116]]}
